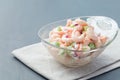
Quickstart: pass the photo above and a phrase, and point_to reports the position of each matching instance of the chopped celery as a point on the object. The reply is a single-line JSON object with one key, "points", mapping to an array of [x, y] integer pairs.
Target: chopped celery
{"points": [[61, 52], [65, 51], [72, 44], [59, 28], [85, 28], [69, 47], [56, 44], [72, 26], [92, 45], [84, 48]]}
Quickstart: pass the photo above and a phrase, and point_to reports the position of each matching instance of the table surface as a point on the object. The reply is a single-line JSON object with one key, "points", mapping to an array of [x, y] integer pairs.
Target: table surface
{"points": [[20, 21]]}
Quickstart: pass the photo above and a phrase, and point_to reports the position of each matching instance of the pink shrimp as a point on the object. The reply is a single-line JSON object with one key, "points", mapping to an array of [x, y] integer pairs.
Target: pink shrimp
{"points": [[90, 34], [79, 28], [98, 43], [81, 22], [80, 46], [77, 36], [54, 37], [103, 39], [86, 40], [56, 32], [67, 29], [66, 38]]}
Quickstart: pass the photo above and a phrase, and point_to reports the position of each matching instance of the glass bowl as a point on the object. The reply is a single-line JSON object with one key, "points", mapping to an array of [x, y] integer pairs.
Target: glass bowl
{"points": [[103, 25]]}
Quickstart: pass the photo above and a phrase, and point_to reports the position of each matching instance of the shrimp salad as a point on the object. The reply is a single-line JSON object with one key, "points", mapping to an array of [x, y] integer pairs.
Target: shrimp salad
{"points": [[76, 35]]}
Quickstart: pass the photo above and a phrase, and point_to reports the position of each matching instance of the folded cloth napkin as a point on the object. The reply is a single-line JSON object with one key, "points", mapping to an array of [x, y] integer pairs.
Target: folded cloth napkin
{"points": [[38, 58]]}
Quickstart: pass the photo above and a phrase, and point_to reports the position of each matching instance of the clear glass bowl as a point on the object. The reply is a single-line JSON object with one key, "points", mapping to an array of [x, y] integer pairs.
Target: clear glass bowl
{"points": [[103, 25]]}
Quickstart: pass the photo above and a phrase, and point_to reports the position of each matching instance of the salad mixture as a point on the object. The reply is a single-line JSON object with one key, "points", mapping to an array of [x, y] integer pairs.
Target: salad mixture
{"points": [[76, 35]]}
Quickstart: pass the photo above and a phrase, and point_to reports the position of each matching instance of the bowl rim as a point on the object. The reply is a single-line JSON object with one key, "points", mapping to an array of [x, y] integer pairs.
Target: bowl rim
{"points": [[93, 50]]}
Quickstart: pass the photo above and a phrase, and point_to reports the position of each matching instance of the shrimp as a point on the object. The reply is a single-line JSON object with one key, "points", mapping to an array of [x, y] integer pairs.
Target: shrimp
{"points": [[80, 47], [90, 33], [79, 28], [86, 40], [81, 22], [103, 39], [67, 29], [77, 37], [66, 38], [58, 40], [98, 43], [54, 37], [54, 31]]}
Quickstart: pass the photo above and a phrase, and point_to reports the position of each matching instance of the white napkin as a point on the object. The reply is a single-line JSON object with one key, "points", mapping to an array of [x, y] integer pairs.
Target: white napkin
{"points": [[38, 58]]}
